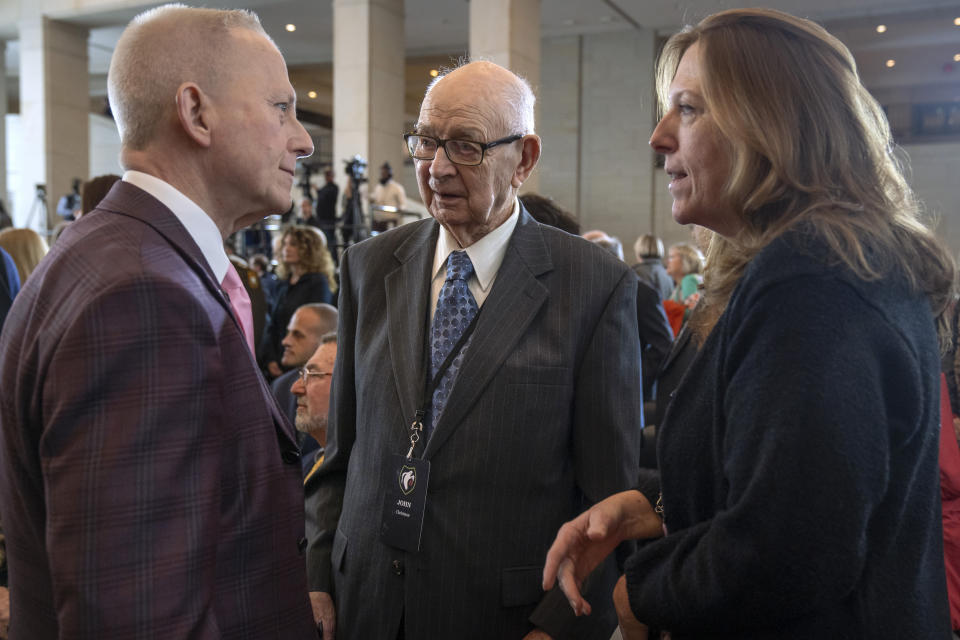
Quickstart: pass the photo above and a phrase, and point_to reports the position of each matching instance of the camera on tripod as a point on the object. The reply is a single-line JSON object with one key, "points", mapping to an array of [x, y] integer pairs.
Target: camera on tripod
{"points": [[356, 168]]}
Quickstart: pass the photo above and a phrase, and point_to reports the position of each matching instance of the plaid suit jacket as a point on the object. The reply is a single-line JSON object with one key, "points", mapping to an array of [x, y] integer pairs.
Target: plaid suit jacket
{"points": [[149, 487]]}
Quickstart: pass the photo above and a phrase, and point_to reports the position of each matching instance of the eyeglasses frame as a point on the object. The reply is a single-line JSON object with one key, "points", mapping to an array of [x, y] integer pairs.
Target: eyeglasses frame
{"points": [[442, 144], [304, 373]]}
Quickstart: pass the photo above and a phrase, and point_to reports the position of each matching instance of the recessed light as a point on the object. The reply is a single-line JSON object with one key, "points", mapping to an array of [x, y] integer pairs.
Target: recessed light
{"points": [[291, 28], [956, 21], [881, 28], [312, 94], [434, 73], [891, 62]]}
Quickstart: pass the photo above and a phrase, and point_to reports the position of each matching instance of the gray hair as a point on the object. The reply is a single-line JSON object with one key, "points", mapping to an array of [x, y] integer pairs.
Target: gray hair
{"points": [[158, 51]]}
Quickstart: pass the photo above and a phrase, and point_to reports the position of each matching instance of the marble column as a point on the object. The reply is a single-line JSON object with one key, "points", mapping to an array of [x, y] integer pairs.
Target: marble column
{"points": [[368, 84], [508, 32], [54, 115]]}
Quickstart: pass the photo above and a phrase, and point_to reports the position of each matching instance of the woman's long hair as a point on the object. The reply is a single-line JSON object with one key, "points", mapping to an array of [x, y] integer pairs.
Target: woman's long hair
{"points": [[314, 256], [808, 143]]}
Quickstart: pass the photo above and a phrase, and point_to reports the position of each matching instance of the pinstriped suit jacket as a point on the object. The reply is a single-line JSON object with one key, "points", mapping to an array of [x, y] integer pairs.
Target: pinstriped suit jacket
{"points": [[149, 486], [543, 418]]}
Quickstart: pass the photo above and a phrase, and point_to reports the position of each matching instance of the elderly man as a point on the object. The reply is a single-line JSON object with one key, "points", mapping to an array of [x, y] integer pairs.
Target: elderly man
{"points": [[149, 484], [487, 383]]}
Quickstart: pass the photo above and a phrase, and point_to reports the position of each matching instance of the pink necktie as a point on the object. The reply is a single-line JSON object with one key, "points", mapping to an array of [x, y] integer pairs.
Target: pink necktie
{"points": [[240, 302]]}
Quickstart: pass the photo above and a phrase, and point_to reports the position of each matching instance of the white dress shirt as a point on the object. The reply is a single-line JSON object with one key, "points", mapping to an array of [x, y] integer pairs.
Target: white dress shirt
{"points": [[486, 254], [195, 220]]}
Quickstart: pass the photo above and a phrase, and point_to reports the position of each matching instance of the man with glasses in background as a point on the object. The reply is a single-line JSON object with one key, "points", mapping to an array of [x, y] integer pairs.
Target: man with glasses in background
{"points": [[487, 386]]}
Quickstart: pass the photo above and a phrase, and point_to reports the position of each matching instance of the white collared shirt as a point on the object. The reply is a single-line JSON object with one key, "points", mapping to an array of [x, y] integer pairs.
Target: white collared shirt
{"points": [[486, 254], [195, 220]]}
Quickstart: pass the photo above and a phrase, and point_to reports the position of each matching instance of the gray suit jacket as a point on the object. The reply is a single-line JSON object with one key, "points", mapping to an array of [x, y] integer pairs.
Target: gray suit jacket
{"points": [[543, 419]]}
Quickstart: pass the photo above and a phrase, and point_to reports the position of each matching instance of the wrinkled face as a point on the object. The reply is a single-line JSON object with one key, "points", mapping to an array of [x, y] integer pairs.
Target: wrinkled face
{"points": [[469, 201], [697, 158], [302, 339], [289, 250], [257, 138], [313, 398]]}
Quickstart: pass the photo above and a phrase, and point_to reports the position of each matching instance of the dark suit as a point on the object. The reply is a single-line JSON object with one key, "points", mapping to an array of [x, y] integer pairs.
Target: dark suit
{"points": [[543, 418], [149, 485]]}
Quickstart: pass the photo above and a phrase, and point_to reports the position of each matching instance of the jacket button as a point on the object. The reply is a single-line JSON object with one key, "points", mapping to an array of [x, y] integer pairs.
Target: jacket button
{"points": [[291, 456], [301, 544], [397, 566]]}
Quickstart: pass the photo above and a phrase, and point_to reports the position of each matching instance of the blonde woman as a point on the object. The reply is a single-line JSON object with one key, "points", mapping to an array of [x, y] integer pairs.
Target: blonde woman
{"points": [[26, 247], [799, 489]]}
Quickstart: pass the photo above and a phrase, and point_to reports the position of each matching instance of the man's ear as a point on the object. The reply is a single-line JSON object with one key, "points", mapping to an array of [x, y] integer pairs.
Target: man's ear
{"points": [[528, 160], [195, 113]]}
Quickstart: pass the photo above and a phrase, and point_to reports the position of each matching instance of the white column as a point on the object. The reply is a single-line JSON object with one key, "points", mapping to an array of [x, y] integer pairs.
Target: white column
{"points": [[3, 128], [508, 32], [368, 84], [54, 108]]}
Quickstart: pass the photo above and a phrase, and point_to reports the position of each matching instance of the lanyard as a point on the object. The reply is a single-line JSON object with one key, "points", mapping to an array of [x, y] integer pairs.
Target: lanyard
{"points": [[417, 426]]}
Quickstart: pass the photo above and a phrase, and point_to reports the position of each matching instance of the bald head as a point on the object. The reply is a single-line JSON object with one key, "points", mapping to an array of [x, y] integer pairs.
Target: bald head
{"points": [[160, 50], [509, 94], [309, 323]]}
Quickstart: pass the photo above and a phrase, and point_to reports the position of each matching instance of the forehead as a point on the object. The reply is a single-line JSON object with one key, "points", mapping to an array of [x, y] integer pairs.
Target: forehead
{"points": [[457, 106], [687, 77], [258, 59], [323, 357]]}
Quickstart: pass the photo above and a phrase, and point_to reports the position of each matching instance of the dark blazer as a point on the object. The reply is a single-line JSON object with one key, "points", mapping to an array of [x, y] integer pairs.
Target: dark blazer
{"points": [[149, 486], [543, 419]]}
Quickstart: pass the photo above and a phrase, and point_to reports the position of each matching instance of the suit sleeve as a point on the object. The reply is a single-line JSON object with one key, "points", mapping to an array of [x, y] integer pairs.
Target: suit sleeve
{"points": [[341, 433], [607, 416], [655, 334], [131, 465]]}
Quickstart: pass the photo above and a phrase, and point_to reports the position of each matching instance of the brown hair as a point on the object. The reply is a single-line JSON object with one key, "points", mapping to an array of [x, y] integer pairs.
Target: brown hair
{"points": [[766, 76], [314, 256], [95, 189]]}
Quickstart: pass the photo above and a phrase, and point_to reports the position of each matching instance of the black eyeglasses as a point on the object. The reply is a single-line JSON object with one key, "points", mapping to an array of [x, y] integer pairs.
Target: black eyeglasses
{"points": [[304, 374], [464, 152]]}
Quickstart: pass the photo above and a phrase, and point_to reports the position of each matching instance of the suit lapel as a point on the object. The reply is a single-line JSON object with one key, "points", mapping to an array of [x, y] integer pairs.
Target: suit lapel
{"points": [[514, 302], [408, 295], [131, 201]]}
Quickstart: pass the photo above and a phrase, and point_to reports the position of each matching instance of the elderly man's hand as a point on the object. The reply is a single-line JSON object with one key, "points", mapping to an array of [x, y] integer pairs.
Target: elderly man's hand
{"points": [[630, 627], [324, 613], [585, 541], [537, 634]]}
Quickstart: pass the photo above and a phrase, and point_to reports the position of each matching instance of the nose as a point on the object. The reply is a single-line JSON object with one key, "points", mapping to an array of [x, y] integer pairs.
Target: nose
{"points": [[301, 142], [297, 387], [439, 168], [663, 139]]}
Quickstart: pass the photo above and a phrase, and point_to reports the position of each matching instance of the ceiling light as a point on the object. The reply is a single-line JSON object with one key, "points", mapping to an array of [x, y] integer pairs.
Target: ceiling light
{"points": [[312, 94], [434, 73], [956, 57], [881, 28], [956, 21], [891, 62], [291, 28]]}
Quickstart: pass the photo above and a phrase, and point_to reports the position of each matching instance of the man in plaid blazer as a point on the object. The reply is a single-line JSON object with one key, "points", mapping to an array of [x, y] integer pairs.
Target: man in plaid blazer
{"points": [[149, 485]]}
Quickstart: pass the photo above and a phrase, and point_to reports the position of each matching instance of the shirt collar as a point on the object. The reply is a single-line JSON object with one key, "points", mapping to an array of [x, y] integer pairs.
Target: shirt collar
{"points": [[195, 220], [486, 254]]}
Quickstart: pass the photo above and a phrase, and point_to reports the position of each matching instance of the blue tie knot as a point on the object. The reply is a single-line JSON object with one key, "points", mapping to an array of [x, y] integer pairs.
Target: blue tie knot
{"points": [[459, 266]]}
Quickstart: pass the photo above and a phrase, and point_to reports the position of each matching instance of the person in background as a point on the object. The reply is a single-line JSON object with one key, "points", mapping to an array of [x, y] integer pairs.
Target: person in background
{"points": [[149, 485], [26, 247], [545, 210], [94, 190], [9, 284], [326, 210], [269, 281], [608, 242], [799, 482], [306, 274], [649, 251]]}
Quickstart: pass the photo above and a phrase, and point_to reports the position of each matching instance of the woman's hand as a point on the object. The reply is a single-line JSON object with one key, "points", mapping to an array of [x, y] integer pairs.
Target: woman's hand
{"points": [[585, 541]]}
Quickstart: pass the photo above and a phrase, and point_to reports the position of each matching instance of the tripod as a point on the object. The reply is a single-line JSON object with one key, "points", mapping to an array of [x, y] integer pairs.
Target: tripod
{"points": [[39, 209]]}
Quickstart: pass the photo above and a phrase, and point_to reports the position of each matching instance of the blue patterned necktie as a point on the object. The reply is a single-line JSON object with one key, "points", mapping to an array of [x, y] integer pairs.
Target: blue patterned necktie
{"points": [[456, 309]]}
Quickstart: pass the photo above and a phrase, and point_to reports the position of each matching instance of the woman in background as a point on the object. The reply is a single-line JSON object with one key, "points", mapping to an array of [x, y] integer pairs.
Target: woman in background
{"points": [[306, 275], [798, 458], [26, 247]]}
